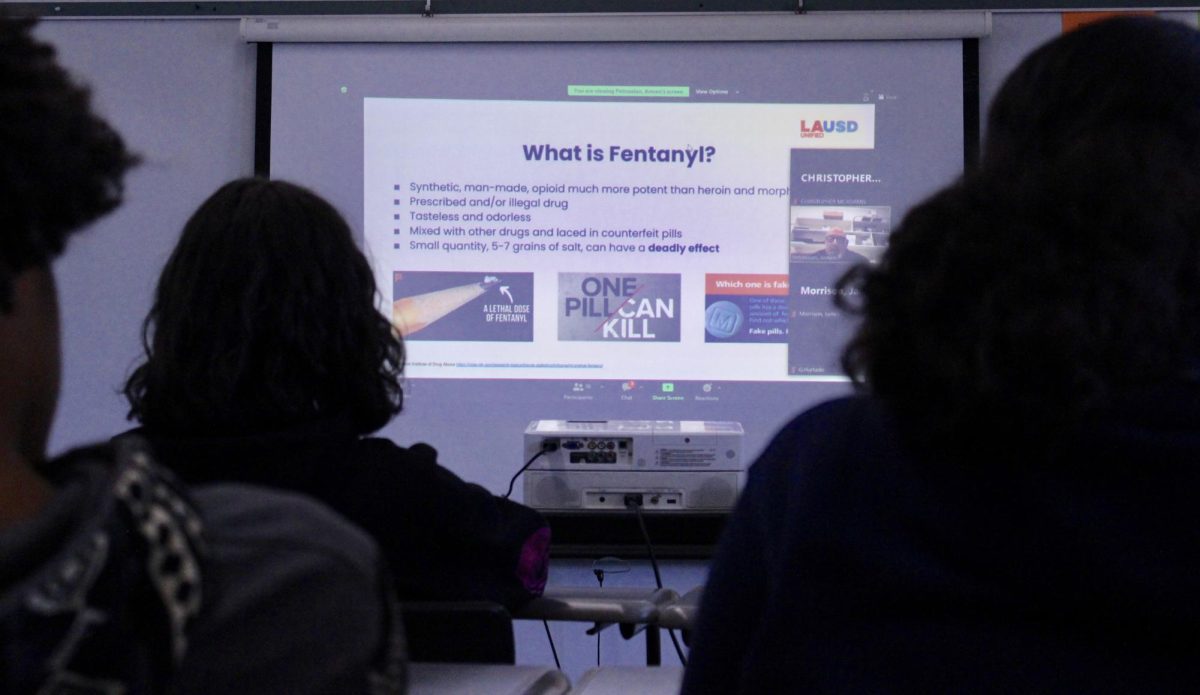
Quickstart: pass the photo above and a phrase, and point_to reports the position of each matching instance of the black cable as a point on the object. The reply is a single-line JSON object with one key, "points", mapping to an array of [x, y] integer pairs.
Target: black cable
{"points": [[545, 448], [553, 651], [599, 578], [678, 649], [637, 511]]}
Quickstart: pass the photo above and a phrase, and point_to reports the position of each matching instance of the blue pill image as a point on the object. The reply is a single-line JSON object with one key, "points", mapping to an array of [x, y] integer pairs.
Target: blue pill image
{"points": [[723, 319]]}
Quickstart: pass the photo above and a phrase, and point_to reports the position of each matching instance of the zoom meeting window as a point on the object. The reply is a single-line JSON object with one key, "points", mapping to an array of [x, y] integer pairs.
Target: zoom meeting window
{"points": [[637, 230]]}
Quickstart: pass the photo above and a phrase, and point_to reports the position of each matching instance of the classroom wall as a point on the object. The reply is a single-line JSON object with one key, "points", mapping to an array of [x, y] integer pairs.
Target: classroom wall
{"points": [[181, 91]]}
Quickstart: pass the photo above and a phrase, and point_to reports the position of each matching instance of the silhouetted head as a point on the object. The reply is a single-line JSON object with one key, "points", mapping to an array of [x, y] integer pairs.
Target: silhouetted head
{"points": [[264, 319], [1064, 270], [836, 242], [61, 167]]}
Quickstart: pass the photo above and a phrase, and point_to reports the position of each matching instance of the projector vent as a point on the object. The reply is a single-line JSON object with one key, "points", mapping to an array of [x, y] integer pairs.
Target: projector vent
{"points": [[552, 492], [686, 458]]}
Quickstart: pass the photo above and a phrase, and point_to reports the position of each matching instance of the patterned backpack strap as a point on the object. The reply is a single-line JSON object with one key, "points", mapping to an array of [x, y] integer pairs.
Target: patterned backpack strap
{"points": [[172, 531], [110, 613]]}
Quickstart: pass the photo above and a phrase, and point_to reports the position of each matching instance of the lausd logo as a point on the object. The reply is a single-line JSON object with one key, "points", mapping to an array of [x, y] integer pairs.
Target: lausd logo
{"points": [[818, 129]]}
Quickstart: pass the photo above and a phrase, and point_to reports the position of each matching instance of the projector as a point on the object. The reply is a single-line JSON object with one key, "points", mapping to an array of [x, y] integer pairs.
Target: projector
{"points": [[675, 465]]}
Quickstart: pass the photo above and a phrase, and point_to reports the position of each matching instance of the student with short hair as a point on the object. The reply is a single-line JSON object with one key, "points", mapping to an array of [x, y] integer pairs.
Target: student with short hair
{"points": [[112, 578]]}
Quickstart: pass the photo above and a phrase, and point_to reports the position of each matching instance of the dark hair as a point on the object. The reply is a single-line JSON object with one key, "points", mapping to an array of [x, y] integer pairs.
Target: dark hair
{"points": [[265, 318], [60, 165], [1064, 270]]}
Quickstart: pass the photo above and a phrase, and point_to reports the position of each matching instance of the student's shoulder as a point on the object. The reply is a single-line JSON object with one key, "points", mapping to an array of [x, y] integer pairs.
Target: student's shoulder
{"points": [[380, 449], [244, 517], [815, 441], [829, 421], [287, 578]]}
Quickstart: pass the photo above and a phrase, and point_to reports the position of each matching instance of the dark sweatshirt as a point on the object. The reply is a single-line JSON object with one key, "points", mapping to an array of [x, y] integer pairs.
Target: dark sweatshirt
{"points": [[853, 565], [444, 538]]}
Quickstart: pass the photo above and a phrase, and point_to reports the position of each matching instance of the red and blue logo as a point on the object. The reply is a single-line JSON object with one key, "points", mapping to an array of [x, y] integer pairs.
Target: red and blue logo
{"points": [[818, 129]]}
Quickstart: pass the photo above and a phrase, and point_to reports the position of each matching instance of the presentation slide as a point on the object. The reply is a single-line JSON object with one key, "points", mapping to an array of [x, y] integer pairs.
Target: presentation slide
{"points": [[617, 230], [591, 200]]}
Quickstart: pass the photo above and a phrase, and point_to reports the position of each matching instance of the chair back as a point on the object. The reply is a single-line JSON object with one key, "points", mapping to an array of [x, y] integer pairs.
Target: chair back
{"points": [[475, 632]]}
